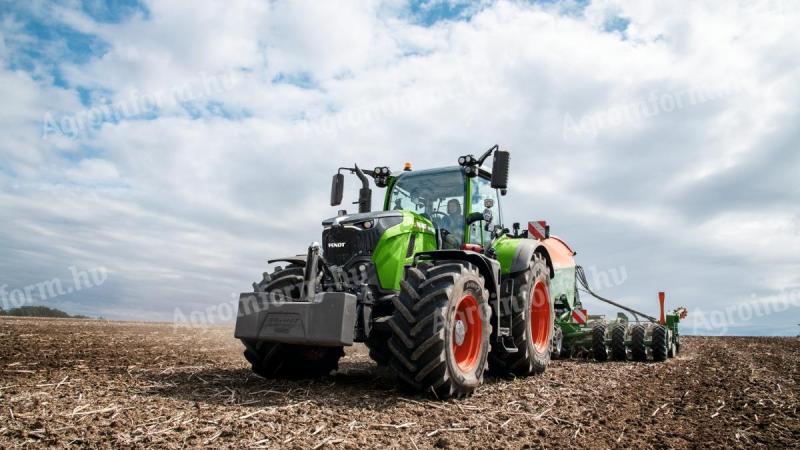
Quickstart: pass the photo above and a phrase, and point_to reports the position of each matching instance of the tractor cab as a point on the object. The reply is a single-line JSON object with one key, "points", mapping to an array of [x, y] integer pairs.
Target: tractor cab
{"points": [[462, 203], [464, 208]]}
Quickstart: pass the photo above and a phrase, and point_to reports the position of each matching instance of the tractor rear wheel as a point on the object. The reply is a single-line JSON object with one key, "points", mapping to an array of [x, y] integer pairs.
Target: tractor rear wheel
{"points": [[660, 343], [618, 350], [599, 348], [638, 345], [440, 329], [533, 319], [276, 360], [378, 345]]}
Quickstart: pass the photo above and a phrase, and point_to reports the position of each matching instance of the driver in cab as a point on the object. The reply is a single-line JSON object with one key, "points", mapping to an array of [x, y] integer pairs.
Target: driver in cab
{"points": [[453, 225]]}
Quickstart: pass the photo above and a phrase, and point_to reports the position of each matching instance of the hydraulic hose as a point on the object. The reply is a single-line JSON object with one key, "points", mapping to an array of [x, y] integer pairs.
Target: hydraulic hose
{"points": [[581, 277]]}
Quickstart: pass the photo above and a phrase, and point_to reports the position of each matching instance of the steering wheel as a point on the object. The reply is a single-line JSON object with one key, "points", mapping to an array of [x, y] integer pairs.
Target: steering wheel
{"points": [[440, 222]]}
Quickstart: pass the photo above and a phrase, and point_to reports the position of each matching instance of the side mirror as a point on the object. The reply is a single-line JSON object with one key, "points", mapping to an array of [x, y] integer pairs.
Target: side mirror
{"points": [[337, 189], [500, 166]]}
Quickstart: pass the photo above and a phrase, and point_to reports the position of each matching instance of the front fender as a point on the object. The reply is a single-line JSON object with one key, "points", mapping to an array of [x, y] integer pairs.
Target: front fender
{"points": [[489, 268], [299, 260]]}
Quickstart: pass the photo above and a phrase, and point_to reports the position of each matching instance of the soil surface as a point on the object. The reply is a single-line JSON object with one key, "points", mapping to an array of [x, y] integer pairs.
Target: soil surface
{"points": [[86, 383]]}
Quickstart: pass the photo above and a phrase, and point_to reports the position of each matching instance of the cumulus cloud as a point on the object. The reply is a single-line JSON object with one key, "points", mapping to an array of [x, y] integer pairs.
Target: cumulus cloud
{"points": [[184, 204]]}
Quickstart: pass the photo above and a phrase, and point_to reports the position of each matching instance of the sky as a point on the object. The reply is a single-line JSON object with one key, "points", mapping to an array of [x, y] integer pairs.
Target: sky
{"points": [[154, 155]]}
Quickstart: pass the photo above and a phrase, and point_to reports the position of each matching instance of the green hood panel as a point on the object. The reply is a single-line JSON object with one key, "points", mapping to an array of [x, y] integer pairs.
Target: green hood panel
{"points": [[505, 248], [395, 250]]}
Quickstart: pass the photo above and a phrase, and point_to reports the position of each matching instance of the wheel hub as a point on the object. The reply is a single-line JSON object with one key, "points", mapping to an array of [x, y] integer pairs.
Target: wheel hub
{"points": [[467, 334], [460, 332], [541, 328]]}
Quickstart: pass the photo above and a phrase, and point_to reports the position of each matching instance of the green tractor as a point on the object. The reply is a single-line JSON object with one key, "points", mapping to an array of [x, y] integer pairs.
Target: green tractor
{"points": [[434, 284]]}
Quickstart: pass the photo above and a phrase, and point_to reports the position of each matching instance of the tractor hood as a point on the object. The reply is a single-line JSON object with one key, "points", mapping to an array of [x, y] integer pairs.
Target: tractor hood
{"points": [[354, 238], [349, 238]]}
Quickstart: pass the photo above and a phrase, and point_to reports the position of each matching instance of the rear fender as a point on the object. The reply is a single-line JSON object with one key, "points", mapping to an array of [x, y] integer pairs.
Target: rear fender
{"points": [[515, 255]]}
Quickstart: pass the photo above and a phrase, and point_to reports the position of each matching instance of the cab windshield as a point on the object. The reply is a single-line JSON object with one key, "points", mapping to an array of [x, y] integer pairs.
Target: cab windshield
{"points": [[437, 195]]}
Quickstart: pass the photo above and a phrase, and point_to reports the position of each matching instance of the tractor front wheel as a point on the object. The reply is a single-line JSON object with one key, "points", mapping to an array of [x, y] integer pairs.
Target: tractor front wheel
{"points": [[440, 329], [276, 360]]}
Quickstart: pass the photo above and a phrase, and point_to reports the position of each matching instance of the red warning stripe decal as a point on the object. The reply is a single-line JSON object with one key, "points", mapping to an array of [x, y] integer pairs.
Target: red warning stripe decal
{"points": [[537, 229]]}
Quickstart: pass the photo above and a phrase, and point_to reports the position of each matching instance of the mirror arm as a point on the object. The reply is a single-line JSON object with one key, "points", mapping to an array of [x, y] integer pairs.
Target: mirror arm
{"points": [[487, 154]]}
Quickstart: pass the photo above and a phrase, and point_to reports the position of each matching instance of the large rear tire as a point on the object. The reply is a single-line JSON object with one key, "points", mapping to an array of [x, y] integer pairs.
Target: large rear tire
{"points": [[440, 329], [532, 324], [276, 360]]}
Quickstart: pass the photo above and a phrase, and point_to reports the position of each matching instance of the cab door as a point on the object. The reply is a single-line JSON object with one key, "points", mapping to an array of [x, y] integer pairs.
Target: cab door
{"points": [[479, 190]]}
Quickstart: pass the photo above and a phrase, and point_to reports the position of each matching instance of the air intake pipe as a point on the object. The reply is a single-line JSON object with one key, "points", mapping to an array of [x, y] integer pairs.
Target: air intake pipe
{"points": [[365, 193]]}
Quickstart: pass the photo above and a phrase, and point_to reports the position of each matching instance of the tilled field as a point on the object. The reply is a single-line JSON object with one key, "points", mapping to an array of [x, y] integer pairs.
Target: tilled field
{"points": [[111, 384]]}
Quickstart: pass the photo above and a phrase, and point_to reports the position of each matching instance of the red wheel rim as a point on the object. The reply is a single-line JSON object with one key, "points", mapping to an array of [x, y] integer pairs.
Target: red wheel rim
{"points": [[540, 317], [467, 334]]}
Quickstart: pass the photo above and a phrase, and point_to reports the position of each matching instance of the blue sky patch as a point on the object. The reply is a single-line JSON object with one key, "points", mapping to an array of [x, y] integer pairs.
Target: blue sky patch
{"points": [[616, 23], [429, 12], [85, 95], [114, 11], [85, 152], [302, 80], [40, 45]]}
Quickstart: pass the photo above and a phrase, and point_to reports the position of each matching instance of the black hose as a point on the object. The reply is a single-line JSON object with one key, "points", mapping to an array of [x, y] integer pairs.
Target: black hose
{"points": [[580, 275]]}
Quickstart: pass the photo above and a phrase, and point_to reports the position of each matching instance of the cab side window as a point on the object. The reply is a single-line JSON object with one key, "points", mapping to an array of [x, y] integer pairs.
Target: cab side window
{"points": [[481, 190]]}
